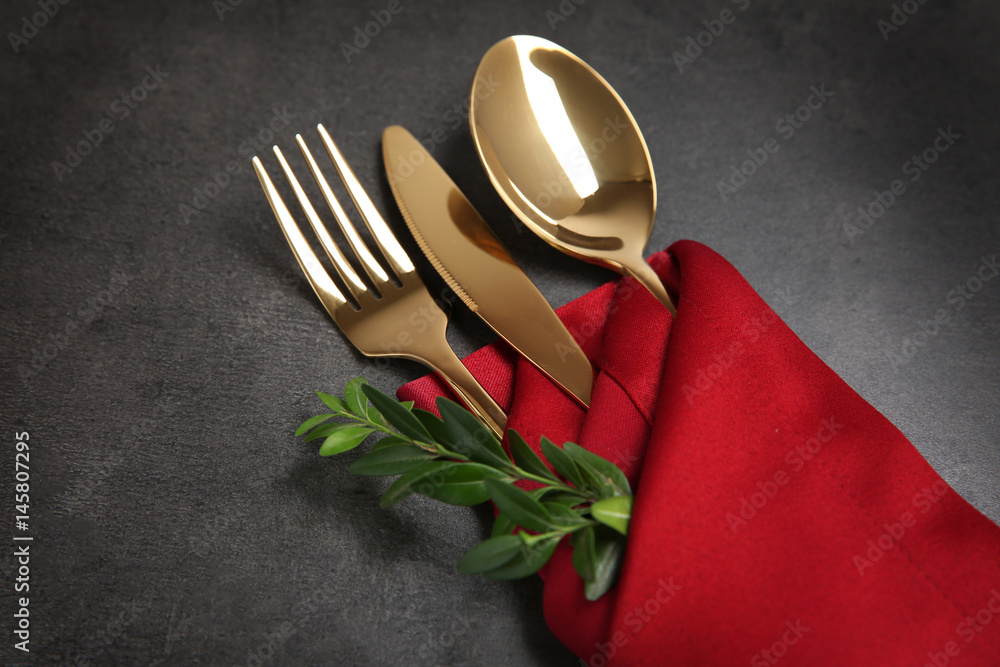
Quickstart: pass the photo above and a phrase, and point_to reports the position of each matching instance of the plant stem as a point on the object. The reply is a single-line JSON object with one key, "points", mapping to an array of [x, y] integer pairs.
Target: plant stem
{"points": [[524, 474], [442, 451]]}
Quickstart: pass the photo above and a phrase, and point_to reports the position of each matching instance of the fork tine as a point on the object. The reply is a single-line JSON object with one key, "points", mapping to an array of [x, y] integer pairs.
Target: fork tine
{"points": [[371, 266], [369, 326], [317, 276], [333, 252], [384, 237]]}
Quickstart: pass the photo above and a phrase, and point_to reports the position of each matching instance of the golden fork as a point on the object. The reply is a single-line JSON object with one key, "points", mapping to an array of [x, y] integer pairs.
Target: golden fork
{"points": [[400, 320]]}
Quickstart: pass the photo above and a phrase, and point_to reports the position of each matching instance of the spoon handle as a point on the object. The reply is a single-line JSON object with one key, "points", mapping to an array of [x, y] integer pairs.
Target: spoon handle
{"points": [[644, 273]]}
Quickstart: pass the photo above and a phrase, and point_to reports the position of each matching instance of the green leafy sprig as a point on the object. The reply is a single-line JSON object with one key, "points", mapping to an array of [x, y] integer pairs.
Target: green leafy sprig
{"points": [[454, 458]]}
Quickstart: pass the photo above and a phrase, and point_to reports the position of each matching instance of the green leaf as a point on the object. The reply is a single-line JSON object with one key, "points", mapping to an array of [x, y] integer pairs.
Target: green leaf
{"points": [[391, 460], [553, 511], [403, 487], [520, 507], [455, 483], [325, 430], [564, 515], [528, 560], [464, 484], [503, 525], [585, 554], [434, 426], [312, 421], [398, 416], [547, 494], [614, 512], [356, 401], [375, 416], [470, 437], [610, 550], [562, 463], [490, 554], [335, 403], [390, 441], [344, 439], [608, 473], [593, 483], [526, 458]]}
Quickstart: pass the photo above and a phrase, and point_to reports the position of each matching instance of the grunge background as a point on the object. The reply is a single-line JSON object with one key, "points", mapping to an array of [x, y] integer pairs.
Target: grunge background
{"points": [[160, 345]]}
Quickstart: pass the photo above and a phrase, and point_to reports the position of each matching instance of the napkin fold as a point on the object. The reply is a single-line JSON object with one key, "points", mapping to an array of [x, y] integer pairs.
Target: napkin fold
{"points": [[778, 517]]}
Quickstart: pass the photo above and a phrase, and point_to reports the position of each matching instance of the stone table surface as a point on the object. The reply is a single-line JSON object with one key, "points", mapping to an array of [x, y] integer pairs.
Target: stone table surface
{"points": [[160, 345]]}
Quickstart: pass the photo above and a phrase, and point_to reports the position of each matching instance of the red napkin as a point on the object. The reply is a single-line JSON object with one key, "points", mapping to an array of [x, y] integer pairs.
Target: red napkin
{"points": [[778, 517]]}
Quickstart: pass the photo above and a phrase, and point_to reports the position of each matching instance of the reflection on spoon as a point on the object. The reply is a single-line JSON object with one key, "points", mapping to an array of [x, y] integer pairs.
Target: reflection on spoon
{"points": [[566, 155]]}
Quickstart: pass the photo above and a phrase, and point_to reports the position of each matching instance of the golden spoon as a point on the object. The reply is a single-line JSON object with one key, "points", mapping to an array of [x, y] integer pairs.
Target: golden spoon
{"points": [[566, 155]]}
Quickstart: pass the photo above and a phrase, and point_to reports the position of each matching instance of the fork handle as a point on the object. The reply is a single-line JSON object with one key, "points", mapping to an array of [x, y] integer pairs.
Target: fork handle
{"points": [[457, 376]]}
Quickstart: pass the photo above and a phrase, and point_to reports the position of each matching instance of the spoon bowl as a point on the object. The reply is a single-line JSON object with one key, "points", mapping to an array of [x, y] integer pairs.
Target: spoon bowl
{"points": [[565, 153]]}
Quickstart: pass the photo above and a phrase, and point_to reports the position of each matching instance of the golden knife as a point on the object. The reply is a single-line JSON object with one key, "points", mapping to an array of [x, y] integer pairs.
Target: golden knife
{"points": [[471, 259]]}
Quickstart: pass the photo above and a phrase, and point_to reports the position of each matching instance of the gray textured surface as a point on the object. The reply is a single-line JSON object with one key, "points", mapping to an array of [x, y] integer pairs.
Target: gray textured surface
{"points": [[177, 520]]}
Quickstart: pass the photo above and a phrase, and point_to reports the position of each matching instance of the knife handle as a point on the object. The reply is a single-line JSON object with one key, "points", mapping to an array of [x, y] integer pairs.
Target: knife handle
{"points": [[451, 369]]}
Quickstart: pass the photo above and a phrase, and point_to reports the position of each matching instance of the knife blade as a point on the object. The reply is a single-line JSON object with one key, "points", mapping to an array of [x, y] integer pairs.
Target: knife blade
{"points": [[472, 260]]}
